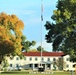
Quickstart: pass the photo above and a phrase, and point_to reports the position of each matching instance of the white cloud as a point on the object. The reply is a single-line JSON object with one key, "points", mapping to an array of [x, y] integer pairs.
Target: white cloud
{"points": [[21, 11]]}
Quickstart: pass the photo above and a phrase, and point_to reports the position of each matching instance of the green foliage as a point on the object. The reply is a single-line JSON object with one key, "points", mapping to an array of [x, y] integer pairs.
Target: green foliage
{"points": [[62, 33], [4, 63], [54, 65], [9, 46], [26, 44], [39, 48]]}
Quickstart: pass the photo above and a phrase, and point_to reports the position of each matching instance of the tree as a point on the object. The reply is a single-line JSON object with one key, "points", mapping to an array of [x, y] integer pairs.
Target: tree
{"points": [[10, 35], [4, 64], [60, 63], [39, 48], [62, 32], [33, 50], [26, 44]]}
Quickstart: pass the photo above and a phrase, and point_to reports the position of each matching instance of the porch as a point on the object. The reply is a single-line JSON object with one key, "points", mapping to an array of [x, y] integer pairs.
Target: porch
{"points": [[45, 65]]}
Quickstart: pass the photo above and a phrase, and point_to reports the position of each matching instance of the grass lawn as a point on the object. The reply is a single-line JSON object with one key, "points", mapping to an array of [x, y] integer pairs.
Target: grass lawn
{"points": [[26, 73]]}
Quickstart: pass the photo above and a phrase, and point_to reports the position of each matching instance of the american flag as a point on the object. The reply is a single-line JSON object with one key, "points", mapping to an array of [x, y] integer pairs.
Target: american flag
{"points": [[42, 10]]}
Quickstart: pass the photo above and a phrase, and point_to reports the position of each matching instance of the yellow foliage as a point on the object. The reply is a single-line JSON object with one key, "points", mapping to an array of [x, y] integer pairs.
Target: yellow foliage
{"points": [[73, 1], [19, 24], [8, 23]]}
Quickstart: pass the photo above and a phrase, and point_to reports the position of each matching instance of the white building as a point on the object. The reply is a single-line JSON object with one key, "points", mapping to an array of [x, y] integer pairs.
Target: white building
{"points": [[33, 60], [69, 65]]}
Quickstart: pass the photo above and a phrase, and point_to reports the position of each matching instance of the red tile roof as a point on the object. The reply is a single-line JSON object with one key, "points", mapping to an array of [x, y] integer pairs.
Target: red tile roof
{"points": [[43, 53]]}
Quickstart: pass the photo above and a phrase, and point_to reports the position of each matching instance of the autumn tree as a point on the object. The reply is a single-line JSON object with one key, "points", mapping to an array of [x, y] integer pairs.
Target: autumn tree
{"points": [[62, 32], [10, 35]]}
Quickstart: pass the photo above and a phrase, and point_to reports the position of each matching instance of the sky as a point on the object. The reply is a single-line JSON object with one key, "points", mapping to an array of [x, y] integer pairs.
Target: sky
{"points": [[29, 11]]}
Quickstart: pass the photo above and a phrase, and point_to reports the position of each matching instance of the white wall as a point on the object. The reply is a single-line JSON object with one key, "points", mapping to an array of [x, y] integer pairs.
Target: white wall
{"points": [[22, 62], [68, 62]]}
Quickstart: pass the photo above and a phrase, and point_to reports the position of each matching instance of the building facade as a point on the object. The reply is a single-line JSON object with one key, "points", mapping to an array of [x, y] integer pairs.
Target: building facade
{"points": [[34, 60], [69, 65]]}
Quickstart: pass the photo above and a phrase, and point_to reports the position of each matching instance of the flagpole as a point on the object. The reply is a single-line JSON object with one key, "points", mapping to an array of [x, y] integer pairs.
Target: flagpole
{"points": [[40, 65], [41, 27]]}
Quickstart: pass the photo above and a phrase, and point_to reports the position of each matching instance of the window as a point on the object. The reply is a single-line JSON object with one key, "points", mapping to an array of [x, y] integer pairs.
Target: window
{"points": [[42, 59], [35, 59], [17, 65], [36, 65], [48, 59], [10, 65], [24, 58], [67, 65], [30, 59], [17, 58], [30, 65], [67, 59], [54, 59]]}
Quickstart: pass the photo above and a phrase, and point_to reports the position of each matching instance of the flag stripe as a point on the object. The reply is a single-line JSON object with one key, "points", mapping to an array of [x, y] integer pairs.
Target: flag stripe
{"points": [[42, 8], [42, 11], [41, 17]]}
